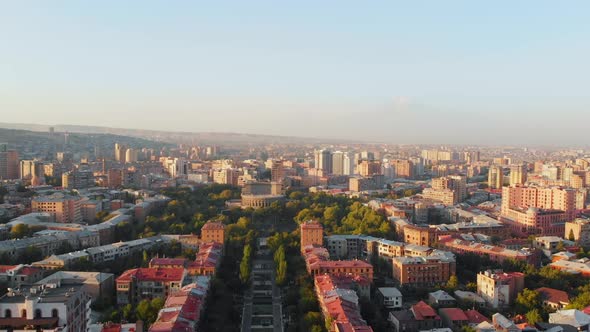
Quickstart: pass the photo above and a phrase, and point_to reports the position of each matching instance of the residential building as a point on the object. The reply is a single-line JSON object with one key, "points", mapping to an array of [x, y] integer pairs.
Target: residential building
{"points": [[207, 260], [495, 177], [499, 288], [454, 318], [146, 283], [440, 299], [553, 298], [340, 306], [16, 276], [323, 160], [449, 190], [9, 163], [48, 307], [572, 317], [389, 297], [312, 234], [536, 210], [183, 309], [62, 208], [98, 285], [469, 299], [518, 174], [419, 317], [78, 179], [213, 232], [459, 245], [430, 270]]}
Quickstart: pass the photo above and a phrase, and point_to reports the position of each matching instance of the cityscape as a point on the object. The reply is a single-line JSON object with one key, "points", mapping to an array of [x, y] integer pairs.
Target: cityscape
{"points": [[294, 167]]}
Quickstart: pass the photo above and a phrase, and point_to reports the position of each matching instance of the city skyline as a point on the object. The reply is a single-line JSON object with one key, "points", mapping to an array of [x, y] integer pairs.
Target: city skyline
{"points": [[499, 74]]}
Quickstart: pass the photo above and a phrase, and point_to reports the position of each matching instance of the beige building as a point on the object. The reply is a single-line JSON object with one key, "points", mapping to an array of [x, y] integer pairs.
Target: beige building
{"points": [[518, 175], [64, 209], [499, 289], [495, 177], [579, 231], [449, 190], [48, 307]]}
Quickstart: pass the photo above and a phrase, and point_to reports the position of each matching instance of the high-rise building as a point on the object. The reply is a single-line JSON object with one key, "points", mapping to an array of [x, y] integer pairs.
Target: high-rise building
{"points": [[347, 164], [277, 171], [369, 167], [450, 190], [403, 169], [32, 170], [518, 174], [323, 160], [496, 177], [131, 156], [120, 152], [8, 163], [537, 210], [78, 179], [338, 163]]}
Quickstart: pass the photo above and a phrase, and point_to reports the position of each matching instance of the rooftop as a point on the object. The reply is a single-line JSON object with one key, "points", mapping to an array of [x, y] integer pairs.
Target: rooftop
{"points": [[153, 274]]}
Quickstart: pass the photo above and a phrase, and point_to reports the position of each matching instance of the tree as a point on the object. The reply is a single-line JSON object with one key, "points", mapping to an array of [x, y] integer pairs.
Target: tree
{"points": [[19, 231], [281, 265], [148, 310], [245, 267], [581, 301], [528, 300], [533, 316], [560, 246], [128, 313], [571, 236], [453, 283]]}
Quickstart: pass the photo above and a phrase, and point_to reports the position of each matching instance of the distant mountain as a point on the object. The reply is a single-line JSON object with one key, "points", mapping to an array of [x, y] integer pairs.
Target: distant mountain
{"points": [[216, 138]]}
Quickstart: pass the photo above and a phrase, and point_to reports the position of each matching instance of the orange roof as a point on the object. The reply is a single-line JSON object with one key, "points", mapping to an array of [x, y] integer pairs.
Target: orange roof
{"points": [[553, 295]]}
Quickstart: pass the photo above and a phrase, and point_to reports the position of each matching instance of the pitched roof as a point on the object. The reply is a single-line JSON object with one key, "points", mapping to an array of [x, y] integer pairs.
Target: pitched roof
{"points": [[454, 314], [553, 295], [423, 311]]}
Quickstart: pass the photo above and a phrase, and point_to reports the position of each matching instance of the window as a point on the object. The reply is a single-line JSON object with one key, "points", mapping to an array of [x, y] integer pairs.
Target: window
{"points": [[54, 313], [8, 313], [23, 313], [38, 313]]}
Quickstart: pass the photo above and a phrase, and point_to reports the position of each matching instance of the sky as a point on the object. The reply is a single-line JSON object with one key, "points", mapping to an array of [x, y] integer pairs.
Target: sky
{"points": [[508, 72]]}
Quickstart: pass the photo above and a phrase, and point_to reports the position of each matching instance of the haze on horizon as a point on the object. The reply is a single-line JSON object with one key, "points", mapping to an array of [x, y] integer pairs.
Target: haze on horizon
{"points": [[404, 72]]}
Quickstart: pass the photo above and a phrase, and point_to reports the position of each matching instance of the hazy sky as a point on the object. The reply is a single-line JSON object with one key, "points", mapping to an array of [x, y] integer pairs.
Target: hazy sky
{"points": [[411, 71]]}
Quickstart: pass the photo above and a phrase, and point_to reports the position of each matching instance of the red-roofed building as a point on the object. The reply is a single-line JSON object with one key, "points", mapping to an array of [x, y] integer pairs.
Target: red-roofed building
{"points": [[148, 283], [339, 305], [168, 262], [475, 317], [182, 310], [14, 276], [207, 260], [454, 318], [553, 298], [318, 263], [421, 316]]}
